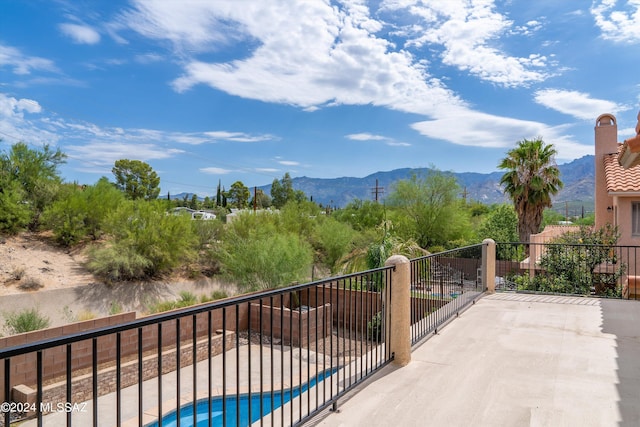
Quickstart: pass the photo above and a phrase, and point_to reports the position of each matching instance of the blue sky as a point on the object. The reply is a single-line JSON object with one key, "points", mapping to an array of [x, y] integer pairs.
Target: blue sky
{"points": [[250, 89]]}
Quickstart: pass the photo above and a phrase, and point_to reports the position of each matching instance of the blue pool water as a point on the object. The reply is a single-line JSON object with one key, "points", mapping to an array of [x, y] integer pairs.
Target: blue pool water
{"points": [[234, 406]]}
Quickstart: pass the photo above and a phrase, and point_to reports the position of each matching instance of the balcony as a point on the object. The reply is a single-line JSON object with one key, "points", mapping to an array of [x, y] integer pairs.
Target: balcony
{"points": [[420, 342]]}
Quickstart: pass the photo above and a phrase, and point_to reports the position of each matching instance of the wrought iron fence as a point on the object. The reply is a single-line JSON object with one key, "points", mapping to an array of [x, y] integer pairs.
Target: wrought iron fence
{"points": [[571, 269], [442, 284], [278, 357]]}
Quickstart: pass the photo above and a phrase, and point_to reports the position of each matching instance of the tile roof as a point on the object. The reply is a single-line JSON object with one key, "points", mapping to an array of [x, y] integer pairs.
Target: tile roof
{"points": [[619, 179]]}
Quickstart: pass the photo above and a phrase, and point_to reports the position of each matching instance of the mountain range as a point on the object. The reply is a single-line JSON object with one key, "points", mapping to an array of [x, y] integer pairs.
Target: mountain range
{"points": [[577, 176]]}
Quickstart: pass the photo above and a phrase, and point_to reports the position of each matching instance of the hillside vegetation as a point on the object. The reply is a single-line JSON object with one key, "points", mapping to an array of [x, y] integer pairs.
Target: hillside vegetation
{"points": [[127, 234]]}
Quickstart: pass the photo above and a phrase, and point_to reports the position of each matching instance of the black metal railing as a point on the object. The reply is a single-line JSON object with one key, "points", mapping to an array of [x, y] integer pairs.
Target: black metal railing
{"points": [[441, 285], [278, 356], [570, 269]]}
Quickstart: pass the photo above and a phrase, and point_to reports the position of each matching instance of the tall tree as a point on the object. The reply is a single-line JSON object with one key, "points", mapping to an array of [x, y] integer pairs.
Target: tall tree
{"points": [[219, 195], [531, 178], [427, 209], [238, 195], [137, 179], [34, 172], [282, 192], [260, 199]]}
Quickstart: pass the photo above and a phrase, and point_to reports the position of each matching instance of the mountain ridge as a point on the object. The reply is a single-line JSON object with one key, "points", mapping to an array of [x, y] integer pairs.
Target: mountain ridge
{"points": [[578, 177]]}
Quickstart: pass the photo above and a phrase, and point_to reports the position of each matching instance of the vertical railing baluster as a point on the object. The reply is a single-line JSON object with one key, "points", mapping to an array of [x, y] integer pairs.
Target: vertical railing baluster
{"points": [[39, 387], [7, 389], [324, 317], [299, 294], [291, 301], [178, 378], [118, 379], [282, 337], [140, 378], [159, 330], [237, 322], [209, 365], [224, 366], [94, 369], [271, 355], [249, 362], [260, 327], [194, 361], [69, 383]]}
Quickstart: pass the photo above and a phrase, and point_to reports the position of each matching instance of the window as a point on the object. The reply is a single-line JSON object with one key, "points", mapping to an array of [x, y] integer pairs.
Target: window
{"points": [[635, 218]]}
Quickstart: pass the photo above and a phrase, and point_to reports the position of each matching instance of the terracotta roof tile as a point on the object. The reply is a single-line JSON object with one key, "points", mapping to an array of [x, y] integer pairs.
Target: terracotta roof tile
{"points": [[620, 179]]}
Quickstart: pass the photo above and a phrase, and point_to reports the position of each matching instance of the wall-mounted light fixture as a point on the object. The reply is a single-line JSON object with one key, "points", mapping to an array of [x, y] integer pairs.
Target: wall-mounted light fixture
{"points": [[609, 208]]}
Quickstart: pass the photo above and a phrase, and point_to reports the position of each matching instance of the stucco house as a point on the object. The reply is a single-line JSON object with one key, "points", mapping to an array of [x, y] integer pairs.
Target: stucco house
{"points": [[617, 189], [617, 194]]}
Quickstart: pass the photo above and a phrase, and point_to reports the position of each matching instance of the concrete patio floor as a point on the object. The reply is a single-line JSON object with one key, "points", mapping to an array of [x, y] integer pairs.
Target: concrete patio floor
{"points": [[513, 360]]}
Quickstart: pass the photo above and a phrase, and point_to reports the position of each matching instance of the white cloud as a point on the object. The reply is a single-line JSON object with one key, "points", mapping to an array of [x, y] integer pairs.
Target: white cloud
{"points": [[366, 137], [618, 20], [471, 128], [237, 136], [303, 53], [11, 107], [577, 104], [105, 153], [23, 64], [467, 31], [369, 137], [289, 163], [215, 171], [80, 34]]}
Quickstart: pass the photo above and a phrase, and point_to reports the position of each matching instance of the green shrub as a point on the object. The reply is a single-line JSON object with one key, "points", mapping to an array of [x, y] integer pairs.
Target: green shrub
{"points": [[79, 213], [216, 295], [15, 214], [146, 242], [25, 321], [187, 299], [333, 240], [265, 261], [119, 263]]}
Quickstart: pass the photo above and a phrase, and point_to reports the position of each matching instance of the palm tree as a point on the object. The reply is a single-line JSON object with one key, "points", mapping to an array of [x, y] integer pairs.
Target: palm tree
{"points": [[531, 179]]}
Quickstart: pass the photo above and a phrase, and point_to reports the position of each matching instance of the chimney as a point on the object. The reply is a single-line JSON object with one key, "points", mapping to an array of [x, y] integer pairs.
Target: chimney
{"points": [[606, 142]]}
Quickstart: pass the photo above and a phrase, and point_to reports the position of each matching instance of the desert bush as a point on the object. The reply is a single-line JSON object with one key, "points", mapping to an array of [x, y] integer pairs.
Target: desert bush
{"points": [[81, 212], [85, 315], [187, 299], [146, 242], [30, 284], [118, 263], [333, 240], [15, 214], [207, 231], [25, 321], [219, 295], [265, 261]]}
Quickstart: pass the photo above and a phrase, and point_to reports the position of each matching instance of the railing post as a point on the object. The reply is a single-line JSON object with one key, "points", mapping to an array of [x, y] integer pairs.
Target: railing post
{"points": [[398, 311], [489, 265]]}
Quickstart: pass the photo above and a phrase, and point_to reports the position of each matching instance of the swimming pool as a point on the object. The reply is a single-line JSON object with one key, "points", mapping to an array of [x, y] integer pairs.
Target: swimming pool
{"points": [[235, 406]]}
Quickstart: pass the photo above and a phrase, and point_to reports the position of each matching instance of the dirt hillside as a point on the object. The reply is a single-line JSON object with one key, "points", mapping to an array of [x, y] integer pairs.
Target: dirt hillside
{"points": [[32, 261]]}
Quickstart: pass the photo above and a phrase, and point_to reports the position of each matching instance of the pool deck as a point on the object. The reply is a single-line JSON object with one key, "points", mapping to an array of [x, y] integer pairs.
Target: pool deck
{"points": [[513, 360], [509, 360]]}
